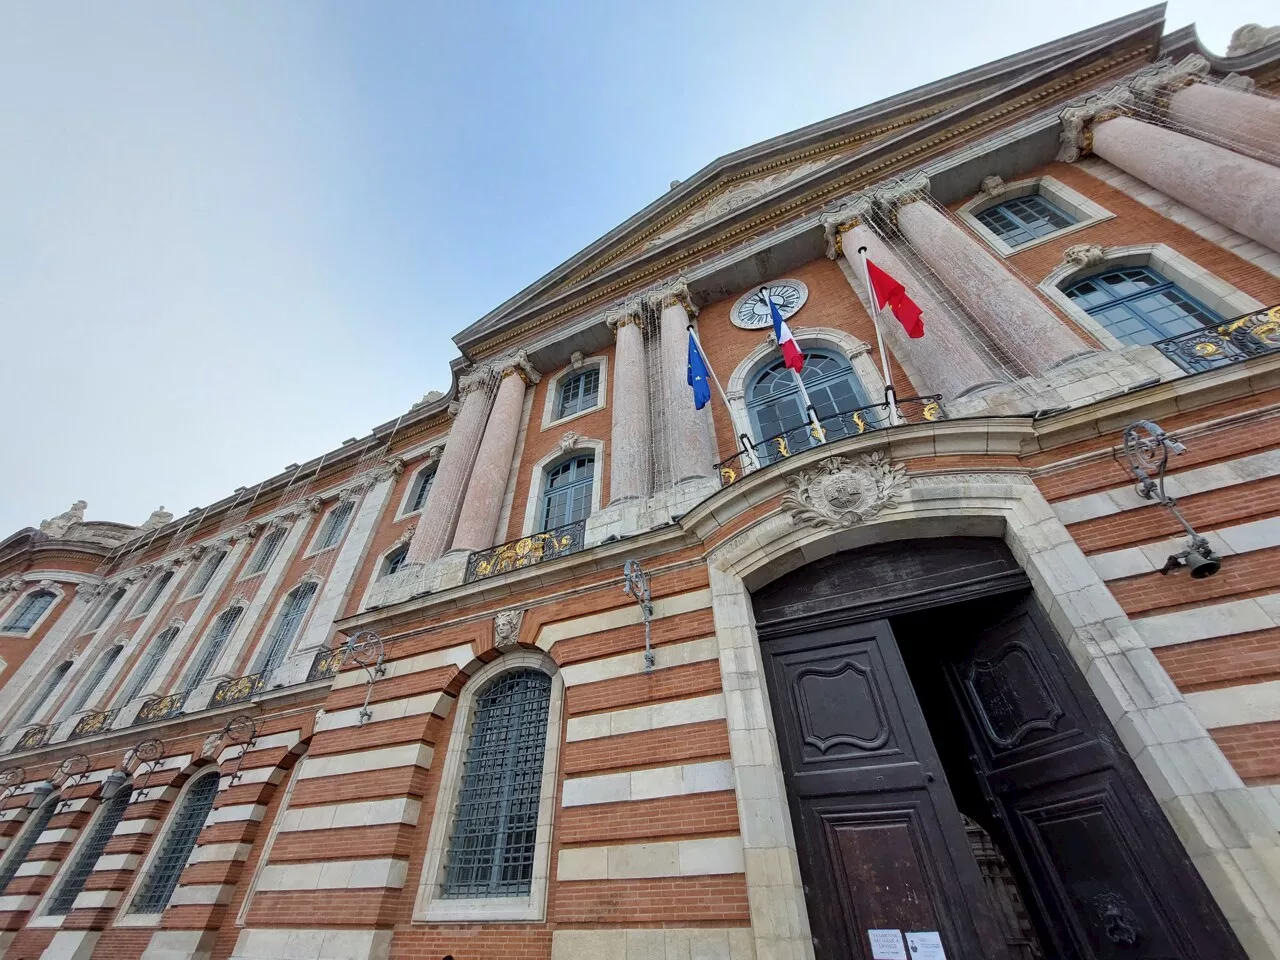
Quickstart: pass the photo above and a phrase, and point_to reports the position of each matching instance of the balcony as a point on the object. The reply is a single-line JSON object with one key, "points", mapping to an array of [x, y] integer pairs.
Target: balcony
{"points": [[162, 708], [838, 426], [527, 551], [237, 690], [1236, 340], [326, 663], [33, 737], [92, 723]]}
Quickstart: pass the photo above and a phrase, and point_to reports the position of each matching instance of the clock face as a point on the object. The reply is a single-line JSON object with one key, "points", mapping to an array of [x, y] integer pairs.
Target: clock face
{"points": [[752, 313]]}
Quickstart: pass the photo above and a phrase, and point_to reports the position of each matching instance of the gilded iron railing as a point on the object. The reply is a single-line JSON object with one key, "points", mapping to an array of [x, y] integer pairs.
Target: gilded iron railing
{"points": [[326, 663], [162, 708], [92, 723], [237, 690], [838, 426], [1231, 342], [527, 551], [34, 737]]}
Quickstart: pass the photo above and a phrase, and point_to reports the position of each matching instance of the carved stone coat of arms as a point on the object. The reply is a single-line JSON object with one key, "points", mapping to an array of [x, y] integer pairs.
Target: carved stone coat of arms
{"points": [[843, 491]]}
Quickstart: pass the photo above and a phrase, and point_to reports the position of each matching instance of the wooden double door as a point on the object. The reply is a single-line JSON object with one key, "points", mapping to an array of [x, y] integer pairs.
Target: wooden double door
{"points": [[902, 734]]}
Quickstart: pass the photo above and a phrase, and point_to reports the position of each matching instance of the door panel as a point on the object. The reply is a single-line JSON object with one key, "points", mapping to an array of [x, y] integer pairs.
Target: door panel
{"points": [[1109, 879], [880, 839]]}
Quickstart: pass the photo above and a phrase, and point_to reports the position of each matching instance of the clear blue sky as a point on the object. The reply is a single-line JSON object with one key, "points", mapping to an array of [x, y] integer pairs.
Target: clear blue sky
{"points": [[233, 234]]}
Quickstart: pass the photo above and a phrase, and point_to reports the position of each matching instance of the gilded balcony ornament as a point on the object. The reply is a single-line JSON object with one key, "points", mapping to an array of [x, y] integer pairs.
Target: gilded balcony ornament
{"points": [[92, 723], [526, 551], [33, 737], [1232, 341], [326, 664], [237, 690], [162, 708]]}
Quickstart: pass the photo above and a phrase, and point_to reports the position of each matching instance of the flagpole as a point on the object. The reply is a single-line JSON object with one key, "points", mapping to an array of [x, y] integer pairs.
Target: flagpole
{"points": [[746, 449], [811, 414], [890, 395]]}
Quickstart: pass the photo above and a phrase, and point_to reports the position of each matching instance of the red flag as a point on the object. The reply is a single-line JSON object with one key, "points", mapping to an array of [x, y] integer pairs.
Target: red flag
{"points": [[890, 293]]}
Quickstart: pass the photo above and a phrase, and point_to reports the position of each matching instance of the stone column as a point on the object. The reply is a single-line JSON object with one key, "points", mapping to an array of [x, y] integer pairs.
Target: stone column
{"points": [[944, 360], [478, 522], [630, 464], [1014, 317], [689, 442], [435, 527]]}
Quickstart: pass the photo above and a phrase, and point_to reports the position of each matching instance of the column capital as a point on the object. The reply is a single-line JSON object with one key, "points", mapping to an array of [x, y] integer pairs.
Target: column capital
{"points": [[671, 293], [517, 364], [624, 315], [1079, 118], [1154, 84], [841, 216]]}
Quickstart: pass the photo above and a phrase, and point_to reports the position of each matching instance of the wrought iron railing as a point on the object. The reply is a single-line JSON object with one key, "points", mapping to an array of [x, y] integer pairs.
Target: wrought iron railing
{"points": [[162, 708], [838, 426], [237, 690], [92, 723], [525, 552], [1231, 342], [33, 737], [326, 663]]}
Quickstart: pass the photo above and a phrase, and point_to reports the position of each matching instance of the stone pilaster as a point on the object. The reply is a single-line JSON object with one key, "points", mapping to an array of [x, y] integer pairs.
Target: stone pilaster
{"points": [[630, 464]]}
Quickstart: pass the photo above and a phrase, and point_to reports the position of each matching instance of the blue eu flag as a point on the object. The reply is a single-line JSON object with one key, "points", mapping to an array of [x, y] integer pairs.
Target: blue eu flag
{"points": [[698, 374]]}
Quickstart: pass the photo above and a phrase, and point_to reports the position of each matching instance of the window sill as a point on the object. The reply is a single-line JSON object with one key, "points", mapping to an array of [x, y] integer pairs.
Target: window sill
{"points": [[1006, 251], [139, 920], [480, 910], [251, 576], [316, 553], [15, 633], [573, 416], [411, 513]]}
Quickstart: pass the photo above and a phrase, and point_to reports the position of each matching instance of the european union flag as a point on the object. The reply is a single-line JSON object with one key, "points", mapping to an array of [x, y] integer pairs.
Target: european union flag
{"points": [[698, 374]]}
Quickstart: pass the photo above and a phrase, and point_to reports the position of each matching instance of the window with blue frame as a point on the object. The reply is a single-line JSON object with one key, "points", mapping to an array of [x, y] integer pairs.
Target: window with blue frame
{"points": [[1024, 219], [1138, 305], [774, 404], [567, 495]]}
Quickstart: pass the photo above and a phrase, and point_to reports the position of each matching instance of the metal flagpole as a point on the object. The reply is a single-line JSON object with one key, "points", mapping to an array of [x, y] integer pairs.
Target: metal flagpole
{"points": [[743, 440], [890, 395], [818, 433]]}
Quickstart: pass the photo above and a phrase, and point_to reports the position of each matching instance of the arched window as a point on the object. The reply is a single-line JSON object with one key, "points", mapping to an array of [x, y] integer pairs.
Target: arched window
{"points": [[180, 839], [394, 560], [104, 611], [151, 659], [421, 487], [206, 572], [266, 550], [286, 627], [1138, 305], [154, 589], [29, 609], [1024, 219], [334, 524], [17, 856], [212, 648], [45, 693], [491, 849], [90, 683], [773, 401], [566, 498], [86, 858], [578, 393]]}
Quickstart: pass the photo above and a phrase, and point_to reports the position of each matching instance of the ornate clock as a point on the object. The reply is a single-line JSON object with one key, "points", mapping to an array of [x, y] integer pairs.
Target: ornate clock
{"points": [[752, 313]]}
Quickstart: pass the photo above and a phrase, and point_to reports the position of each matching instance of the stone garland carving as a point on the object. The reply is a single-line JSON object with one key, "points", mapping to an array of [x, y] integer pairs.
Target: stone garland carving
{"points": [[13, 584], [1084, 255], [506, 628], [389, 469], [841, 492], [46, 585]]}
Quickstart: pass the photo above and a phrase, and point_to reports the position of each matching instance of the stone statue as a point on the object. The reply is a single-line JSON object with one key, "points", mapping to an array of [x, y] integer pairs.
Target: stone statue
{"points": [[158, 518], [59, 525], [1251, 37]]}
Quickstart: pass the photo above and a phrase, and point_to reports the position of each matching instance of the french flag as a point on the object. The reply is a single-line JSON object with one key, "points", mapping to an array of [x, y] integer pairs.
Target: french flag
{"points": [[791, 354]]}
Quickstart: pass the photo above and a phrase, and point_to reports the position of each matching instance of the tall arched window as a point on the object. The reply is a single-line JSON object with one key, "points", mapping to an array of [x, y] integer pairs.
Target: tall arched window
{"points": [[566, 498], [176, 846], [205, 574], [101, 828], [90, 683], [47, 688], [212, 647], [421, 487], [17, 855], [154, 589], [1138, 305], [286, 627], [266, 550], [334, 524], [104, 611], [29, 609], [394, 560], [151, 658], [491, 848], [773, 401]]}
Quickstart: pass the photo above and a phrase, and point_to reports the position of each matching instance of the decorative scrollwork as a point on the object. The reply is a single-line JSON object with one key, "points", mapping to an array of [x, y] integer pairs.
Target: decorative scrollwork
{"points": [[237, 690], [841, 492], [525, 552], [147, 753], [366, 650], [11, 781], [33, 737], [242, 730], [326, 663], [92, 723], [162, 708], [1230, 342]]}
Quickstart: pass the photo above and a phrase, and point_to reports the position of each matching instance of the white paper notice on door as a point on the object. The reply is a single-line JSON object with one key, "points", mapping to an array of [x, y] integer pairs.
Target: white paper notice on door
{"points": [[926, 945], [886, 945]]}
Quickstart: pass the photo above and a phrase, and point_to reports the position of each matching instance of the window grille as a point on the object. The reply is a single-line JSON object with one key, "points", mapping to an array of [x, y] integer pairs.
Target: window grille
{"points": [[90, 683], [270, 544], [18, 855], [1023, 219], [421, 487], [395, 560], [334, 525], [29, 609], [567, 497], [286, 628], [153, 593], [162, 878], [87, 857], [46, 692], [150, 661], [105, 610], [212, 648], [578, 393], [1138, 305], [206, 573], [774, 405], [496, 824]]}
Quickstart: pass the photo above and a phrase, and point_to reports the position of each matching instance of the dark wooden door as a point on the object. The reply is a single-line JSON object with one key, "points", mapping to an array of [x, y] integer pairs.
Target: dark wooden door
{"points": [[881, 842], [1109, 879]]}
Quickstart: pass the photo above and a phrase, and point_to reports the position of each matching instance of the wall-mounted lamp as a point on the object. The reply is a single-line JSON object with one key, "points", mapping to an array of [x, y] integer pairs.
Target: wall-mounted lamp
{"points": [[111, 786]]}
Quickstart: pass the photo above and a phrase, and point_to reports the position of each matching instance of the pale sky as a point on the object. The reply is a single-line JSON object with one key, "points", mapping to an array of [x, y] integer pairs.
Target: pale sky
{"points": [[233, 234]]}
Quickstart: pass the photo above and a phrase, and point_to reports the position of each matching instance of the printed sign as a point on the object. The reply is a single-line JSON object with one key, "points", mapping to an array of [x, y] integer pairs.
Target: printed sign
{"points": [[925, 945], [886, 945]]}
